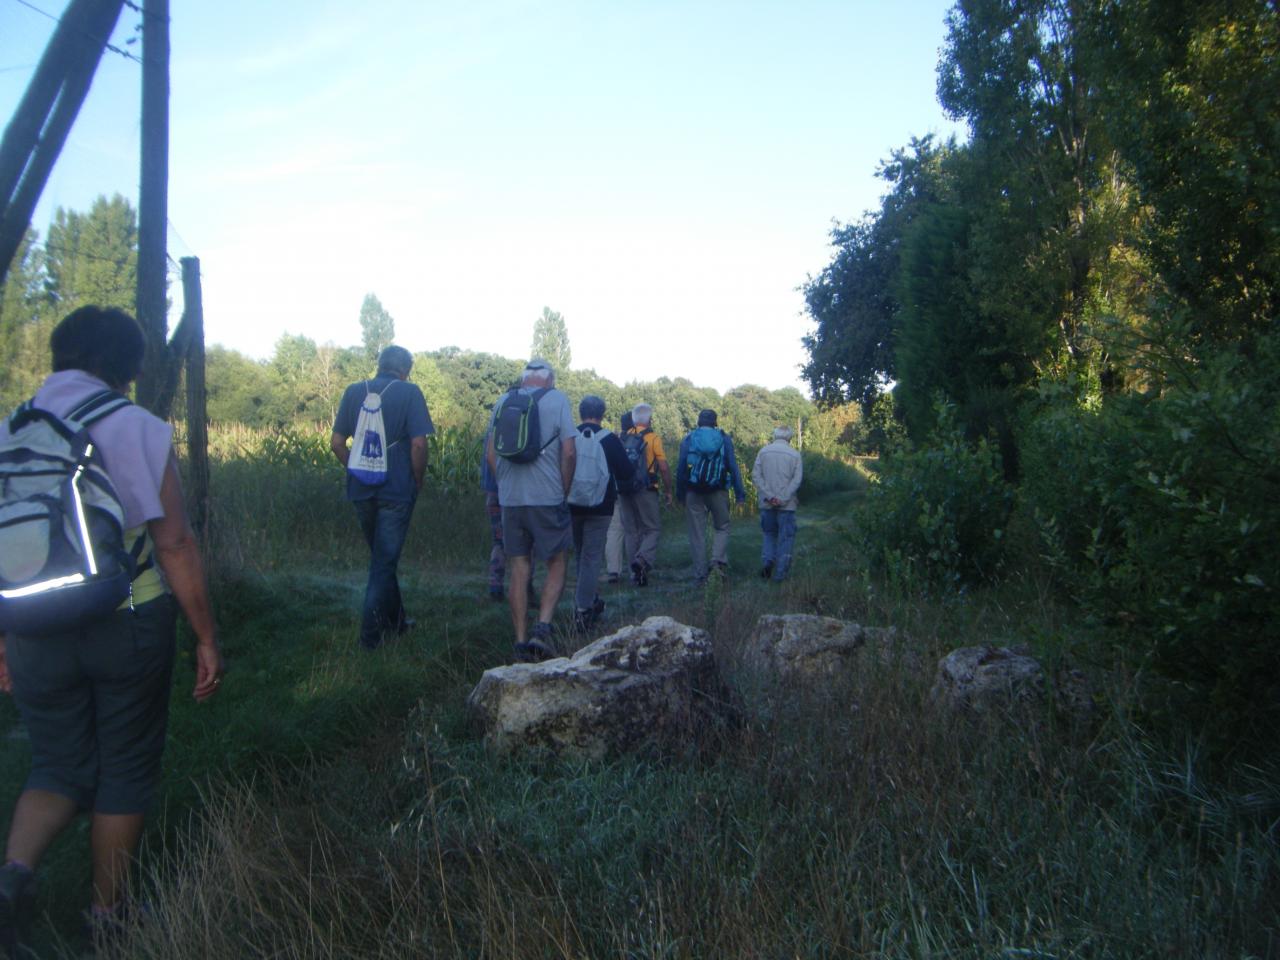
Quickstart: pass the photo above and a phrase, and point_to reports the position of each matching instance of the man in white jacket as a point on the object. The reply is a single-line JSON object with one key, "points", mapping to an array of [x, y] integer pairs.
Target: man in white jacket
{"points": [[777, 474]]}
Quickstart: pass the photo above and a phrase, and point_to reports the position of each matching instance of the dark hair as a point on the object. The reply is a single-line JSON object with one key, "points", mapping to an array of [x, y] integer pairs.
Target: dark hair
{"points": [[395, 361], [706, 418], [591, 408], [103, 341], [626, 421]]}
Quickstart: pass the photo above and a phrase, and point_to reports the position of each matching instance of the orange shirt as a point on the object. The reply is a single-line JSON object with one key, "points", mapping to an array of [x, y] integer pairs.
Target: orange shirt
{"points": [[653, 453]]}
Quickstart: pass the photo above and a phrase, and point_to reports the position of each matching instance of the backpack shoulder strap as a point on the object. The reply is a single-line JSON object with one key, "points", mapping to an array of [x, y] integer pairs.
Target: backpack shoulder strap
{"points": [[100, 405], [21, 415]]}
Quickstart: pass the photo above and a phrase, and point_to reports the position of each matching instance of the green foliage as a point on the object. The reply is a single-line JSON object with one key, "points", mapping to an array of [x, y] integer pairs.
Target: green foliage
{"points": [[86, 258], [377, 328], [278, 493], [551, 340], [937, 513], [475, 381], [26, 320], [854, 300], [240, 390], [1191, 92], [93, 257], [1162, 515]]}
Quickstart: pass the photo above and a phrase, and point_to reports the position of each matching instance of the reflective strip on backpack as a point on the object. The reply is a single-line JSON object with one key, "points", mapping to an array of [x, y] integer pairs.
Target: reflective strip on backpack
{"points": [[81, 520], [31, 589]]}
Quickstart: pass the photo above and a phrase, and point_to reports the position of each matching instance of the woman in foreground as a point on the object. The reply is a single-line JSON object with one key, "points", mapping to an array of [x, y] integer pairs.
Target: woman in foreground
{"points": [[95, 698]]}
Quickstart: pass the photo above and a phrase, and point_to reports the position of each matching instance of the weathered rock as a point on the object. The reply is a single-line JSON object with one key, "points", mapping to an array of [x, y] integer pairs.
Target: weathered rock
{"points": [[648, 686], [987, 678], [800, 647], [997, 678]]}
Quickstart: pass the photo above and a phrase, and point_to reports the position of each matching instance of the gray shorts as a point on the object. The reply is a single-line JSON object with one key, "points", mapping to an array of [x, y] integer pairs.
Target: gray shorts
{"points": [[538, 531], [95, 702]]}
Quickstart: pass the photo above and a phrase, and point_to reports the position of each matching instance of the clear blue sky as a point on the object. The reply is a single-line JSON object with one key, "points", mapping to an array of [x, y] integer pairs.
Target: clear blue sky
{"points": [[664, 174]]}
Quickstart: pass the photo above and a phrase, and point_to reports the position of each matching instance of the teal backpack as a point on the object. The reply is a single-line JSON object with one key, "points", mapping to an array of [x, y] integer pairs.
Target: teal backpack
{"points": [[705, 468]]}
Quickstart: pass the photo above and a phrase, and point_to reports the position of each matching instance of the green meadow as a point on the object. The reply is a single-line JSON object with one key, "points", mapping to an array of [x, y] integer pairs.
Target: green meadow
{"points": [[335, 803]]}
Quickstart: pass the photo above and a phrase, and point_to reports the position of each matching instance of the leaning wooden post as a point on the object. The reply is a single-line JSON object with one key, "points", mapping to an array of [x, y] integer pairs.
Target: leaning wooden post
{"points": [[197, 397]]}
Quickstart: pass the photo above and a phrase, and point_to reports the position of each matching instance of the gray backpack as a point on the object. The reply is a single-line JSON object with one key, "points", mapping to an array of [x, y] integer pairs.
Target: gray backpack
{"points": [[62, 557], [591, 473]]}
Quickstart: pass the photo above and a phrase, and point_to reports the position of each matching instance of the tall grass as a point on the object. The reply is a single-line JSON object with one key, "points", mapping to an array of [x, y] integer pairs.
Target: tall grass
{"points": [[861, 824], [277, 500], [332, 803]]}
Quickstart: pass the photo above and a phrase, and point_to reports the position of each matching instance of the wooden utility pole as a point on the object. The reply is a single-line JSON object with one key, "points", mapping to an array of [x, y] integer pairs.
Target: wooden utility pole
{"points": [[39, 127], [197, 397], [153, 214]]}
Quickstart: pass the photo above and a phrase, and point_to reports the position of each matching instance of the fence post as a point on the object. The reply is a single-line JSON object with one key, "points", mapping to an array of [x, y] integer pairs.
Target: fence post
{"points": [[197, 397]]}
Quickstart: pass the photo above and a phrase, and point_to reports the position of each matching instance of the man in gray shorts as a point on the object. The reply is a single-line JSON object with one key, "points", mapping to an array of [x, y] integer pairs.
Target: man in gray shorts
{"points": [[535, 513]]}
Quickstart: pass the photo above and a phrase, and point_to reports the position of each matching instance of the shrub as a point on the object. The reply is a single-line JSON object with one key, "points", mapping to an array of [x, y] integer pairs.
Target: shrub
{"points": [[1161, 514], [937, 511]]}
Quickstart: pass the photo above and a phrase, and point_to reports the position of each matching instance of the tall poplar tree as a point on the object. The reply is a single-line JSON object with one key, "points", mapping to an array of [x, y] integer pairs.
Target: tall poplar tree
{"points": [[377, 329], [551, 340]]}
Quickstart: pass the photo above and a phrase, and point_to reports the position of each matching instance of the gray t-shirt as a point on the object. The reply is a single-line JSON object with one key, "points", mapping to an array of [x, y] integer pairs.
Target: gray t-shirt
{"points": [[538, 483]]}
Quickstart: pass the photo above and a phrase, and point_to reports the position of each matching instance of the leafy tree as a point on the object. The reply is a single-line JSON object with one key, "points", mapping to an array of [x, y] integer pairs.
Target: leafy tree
{"points": [[377, 328], [1192, 92], [93, 257], [551, 340], [747, 413], [475, 380], [26, 319], [854, 300], [240, 390], [438, 391]]}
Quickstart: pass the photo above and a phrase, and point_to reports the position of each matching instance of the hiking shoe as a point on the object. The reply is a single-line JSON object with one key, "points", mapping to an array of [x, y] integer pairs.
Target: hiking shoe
{"points": [[540, 644], [766, 571], [613, 578], [720, 570], [582, 621], [17, 908], [639, 573], [597, 608]]}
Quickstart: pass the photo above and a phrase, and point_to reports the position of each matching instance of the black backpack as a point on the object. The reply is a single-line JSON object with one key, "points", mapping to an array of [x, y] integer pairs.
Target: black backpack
{"points": [[637, 478], [517, 435]]}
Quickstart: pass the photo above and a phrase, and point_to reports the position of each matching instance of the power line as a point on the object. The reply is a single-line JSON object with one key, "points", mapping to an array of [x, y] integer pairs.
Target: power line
{"points": [[146, 13], [84, 33]]}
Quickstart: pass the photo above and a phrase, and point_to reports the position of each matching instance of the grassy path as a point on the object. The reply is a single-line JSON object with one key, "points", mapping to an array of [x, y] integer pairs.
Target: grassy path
{"points": [[298, 692]]}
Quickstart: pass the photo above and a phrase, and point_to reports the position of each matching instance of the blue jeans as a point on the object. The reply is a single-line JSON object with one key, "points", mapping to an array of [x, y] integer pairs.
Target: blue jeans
{"points": [[779, 528], [384, 523]]}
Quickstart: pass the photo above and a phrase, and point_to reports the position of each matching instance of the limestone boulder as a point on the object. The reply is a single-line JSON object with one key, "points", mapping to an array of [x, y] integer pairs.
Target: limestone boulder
{"points": [[650, 686], [989, 678], [808, 649]]}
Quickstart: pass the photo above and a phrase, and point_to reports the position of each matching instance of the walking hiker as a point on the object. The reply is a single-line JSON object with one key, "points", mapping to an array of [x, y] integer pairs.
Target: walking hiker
{"points": [[389, 421], [641, 517], [777, 474], [705, 470], [616, 549], [531, 450], [493, 510], [88, 655], [600, 462]]}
